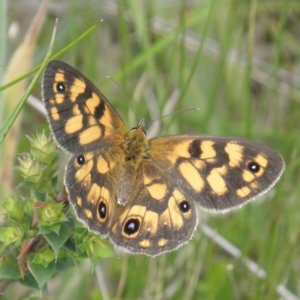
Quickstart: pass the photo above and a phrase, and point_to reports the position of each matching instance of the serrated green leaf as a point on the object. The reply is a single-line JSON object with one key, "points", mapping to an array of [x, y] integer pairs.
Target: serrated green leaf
{"points": [[81, 239], [80, 245], [65, 265], [54, 181], [30, 282], [45, 230], [70, 245], [98, 248], [53, 228], [72, 220], [39, 196], [104, 248], [81, 231], [56, 241], [41, 274], [9, 267]]}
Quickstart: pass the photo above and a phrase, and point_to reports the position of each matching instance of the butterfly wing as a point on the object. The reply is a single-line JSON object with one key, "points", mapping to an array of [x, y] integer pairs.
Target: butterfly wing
{"points": [[219, 173], [91, 181], [159, 215], [156, 218], [81, 118]]}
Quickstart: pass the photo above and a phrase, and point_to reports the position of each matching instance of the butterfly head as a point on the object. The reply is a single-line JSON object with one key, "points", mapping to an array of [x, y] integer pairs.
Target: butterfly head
{"points": [[139, 128]]}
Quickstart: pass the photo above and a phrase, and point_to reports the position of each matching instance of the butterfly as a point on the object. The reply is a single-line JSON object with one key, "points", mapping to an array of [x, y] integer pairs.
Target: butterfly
{"points": [[142, 193]]}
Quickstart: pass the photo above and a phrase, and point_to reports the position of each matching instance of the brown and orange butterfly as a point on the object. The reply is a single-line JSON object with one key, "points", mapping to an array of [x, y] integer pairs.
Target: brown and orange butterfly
{"points": [[141, 193]]}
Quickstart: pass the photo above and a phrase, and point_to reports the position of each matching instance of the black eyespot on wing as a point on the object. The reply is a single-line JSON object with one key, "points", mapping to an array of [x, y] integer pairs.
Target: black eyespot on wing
{"points": [[131, 226], [102, 210], [80, 160], [253, 167], [184, 206], [60, 86]]}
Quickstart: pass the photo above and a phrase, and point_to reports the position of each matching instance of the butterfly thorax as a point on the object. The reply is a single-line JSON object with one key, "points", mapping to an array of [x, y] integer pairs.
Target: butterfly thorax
{"points": [[135, 146]]}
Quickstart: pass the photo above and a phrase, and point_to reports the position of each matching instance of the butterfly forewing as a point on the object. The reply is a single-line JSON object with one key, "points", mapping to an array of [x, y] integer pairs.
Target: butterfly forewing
{"points": [[91, 180], [81, 118], [219, 173]]}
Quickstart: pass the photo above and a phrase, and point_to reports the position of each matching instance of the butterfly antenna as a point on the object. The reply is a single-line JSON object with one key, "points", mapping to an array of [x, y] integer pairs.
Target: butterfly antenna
{"points": [[128, 102], [173, 113]]}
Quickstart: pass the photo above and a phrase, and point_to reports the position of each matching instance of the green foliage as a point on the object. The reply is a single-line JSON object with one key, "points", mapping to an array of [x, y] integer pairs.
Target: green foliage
{"points": [[9, 267], [40, 238]]}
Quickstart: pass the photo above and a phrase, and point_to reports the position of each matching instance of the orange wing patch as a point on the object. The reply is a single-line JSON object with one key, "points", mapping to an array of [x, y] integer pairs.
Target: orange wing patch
{"points": [[208, 151], [216, 180], [179, 150], [235, 154], [92, 103], [78, 87], [54, 114], [89, 135], [243, 192], [74, 124], [192, 176]]}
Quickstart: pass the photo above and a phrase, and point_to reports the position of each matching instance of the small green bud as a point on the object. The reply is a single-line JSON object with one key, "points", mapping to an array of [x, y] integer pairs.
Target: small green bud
{"points": [[29, 205], [50, 213], [13, 208], [43, 148], [9, 235], [44, 256], [30, 169]]}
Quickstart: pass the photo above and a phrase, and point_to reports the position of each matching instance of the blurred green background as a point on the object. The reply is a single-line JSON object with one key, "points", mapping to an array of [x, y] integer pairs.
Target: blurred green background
{"points": [[238, 62]]}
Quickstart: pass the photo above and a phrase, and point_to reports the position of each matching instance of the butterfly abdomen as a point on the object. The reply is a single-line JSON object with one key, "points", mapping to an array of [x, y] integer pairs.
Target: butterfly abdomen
{"points": [[135, 149]]}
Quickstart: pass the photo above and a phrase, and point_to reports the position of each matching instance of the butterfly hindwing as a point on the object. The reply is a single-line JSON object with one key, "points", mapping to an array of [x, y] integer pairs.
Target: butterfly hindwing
{"points": [[157, 218], [219, 173], [79, 115]]}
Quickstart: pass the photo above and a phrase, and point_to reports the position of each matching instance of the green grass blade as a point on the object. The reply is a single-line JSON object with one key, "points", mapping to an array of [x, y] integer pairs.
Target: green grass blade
{"points": [[52, 57], [162, 43], [12, 117]]}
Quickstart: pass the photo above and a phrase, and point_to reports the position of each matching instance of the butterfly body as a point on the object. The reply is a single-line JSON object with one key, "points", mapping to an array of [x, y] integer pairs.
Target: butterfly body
{"points": [[136, 146], [141, 192]]}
